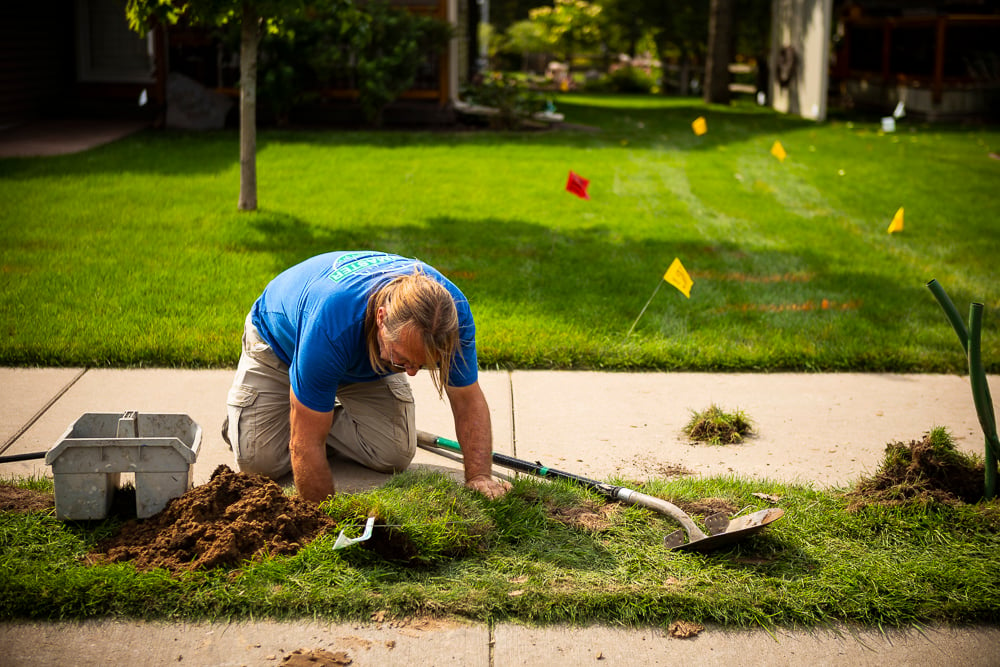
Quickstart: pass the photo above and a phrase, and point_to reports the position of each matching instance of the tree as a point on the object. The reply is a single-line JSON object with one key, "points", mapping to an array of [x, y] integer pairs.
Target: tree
{"points": [[720, 51], [251, 15], [389, 44], [569, 25], [678, 27], [623, 25]]}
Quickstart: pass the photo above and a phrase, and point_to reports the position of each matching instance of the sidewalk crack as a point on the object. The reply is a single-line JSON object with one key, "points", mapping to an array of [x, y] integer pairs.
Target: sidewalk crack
{"points": [[45, 408]]}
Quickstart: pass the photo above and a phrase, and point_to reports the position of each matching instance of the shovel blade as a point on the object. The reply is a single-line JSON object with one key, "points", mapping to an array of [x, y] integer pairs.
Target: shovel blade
{"points": [[736, 530], [717, 523]]}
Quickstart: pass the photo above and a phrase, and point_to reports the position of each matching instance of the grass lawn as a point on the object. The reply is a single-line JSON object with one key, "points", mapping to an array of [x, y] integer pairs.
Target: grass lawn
{"points": [[531, 557], [135, 254]]}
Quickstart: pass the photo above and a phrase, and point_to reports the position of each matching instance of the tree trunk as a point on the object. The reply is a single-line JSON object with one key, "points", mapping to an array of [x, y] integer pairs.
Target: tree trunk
{"points": [[720, 47], [249, 39]]}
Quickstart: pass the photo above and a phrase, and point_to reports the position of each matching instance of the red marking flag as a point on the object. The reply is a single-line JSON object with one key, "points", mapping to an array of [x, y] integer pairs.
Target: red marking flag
{"points": [[577, 185]]}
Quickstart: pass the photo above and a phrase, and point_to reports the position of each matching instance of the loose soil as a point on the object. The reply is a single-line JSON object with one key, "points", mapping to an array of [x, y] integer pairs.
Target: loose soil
{"points": [[233, 518], [15, 499], [317, 658], [920, 472]]}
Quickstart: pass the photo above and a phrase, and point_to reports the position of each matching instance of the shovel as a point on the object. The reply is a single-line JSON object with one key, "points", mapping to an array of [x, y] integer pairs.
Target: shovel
{"points": [[721, 531]]}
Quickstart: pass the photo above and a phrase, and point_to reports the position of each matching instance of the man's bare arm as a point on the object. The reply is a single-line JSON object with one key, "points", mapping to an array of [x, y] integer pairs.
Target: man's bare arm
{"points": [[307, 447], [475, 434]]}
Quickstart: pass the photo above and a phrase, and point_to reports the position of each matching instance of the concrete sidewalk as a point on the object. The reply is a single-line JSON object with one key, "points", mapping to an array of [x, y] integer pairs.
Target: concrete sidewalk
{"points": [[819, 429]]}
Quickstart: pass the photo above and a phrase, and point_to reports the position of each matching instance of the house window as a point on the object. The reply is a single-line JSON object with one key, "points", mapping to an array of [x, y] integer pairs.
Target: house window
{"points": [[107, 50]]}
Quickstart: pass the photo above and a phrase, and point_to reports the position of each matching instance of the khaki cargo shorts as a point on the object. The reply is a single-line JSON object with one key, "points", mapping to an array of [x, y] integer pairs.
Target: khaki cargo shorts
{"points": [[374, 422]]}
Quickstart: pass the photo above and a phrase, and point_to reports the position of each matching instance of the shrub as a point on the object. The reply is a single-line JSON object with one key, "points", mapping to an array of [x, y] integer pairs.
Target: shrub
{"points": [[376, 49], [630, 79], [512, 99]]}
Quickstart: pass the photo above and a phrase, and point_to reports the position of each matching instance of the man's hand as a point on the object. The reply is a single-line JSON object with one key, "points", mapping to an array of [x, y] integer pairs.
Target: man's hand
{"points": [[488, 486]]}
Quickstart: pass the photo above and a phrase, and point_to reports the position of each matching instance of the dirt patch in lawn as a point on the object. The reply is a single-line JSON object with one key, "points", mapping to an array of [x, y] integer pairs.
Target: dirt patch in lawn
{"points": [[16, 499], [232, 518], [707, 507]]}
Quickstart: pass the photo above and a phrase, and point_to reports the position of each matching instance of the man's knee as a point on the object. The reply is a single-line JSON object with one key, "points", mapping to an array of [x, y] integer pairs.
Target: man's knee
{"points": [[392, 461], [273, 469]]}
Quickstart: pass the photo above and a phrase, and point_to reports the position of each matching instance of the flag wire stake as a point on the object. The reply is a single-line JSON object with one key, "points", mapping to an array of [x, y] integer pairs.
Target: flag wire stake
{"points": [[658, 284]]}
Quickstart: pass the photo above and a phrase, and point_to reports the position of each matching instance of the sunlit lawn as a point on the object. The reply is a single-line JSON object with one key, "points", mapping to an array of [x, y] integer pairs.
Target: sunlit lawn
{"points": [[134, 253]]}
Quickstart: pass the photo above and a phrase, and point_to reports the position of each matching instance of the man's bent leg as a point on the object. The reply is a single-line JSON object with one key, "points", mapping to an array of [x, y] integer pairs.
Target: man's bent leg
{"points": [[258, 409], [377, 424]]}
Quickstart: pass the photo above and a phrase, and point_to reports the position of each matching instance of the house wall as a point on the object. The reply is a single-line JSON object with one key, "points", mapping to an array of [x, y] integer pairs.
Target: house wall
{"points": [[36, 60], [804, 26]]}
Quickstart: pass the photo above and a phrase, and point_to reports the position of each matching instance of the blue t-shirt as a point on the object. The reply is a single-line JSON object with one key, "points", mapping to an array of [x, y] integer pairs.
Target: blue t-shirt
{"points": [[312, 315]]}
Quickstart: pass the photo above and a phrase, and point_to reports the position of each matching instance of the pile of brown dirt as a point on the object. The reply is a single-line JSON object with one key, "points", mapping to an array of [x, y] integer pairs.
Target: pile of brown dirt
{"points": [[927, 470], [590, 517], [232, 518]]}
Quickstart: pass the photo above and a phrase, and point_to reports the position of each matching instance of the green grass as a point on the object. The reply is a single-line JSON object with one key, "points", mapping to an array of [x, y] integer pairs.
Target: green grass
{"points": [[134, 253], [717, 426], [883, 567]]}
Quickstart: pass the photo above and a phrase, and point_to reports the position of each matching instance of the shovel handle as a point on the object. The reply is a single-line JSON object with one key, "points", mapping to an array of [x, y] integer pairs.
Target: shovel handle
{"points": [[425, 439], [613, 492], [663, 507]]}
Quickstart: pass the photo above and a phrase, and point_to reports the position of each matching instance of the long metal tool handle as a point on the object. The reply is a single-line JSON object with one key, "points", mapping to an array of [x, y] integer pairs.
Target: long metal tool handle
{"points": [[424, 438], [431, 442], [11, 458]]}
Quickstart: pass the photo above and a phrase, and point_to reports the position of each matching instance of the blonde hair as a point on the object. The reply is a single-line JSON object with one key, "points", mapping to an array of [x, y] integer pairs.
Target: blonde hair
{"points": [[421, 304]]}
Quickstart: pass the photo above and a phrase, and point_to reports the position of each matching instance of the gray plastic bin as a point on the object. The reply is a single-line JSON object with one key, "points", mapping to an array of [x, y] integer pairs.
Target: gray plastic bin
{"points": [[87, 461]]}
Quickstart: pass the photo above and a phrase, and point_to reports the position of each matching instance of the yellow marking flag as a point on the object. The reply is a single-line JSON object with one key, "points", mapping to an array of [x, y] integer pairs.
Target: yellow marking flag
{"points": [[700, 126], [679, 278], [778, 151], [676, 276], [897, 221]]}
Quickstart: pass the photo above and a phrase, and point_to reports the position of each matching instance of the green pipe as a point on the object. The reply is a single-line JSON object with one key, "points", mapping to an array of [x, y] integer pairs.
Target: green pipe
{"points": [[977, 374], [981, 396], [952, 312], [977, 378]]}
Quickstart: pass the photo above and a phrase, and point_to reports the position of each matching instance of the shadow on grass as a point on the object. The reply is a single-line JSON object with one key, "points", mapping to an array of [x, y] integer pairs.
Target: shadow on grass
{"points": [[742, 299], [648, 122]]}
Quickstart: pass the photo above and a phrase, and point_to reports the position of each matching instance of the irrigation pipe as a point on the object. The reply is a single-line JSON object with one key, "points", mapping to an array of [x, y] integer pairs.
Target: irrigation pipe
{"points": [[981, 397]]}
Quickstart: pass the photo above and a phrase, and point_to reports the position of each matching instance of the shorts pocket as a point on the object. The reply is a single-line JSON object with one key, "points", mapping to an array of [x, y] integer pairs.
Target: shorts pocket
{"points": [[400, 387], [241, 427], [241, 396]]}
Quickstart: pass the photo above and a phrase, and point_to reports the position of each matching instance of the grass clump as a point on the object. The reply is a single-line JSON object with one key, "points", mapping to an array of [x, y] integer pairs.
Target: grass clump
{"points": [[420, 518], [923, 471], [716, 426]]}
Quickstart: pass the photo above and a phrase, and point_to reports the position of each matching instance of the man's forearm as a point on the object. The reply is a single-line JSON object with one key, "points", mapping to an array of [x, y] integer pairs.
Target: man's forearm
{"points": [[307, 448], [475, 433], [313, 479], [473, 428]]}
